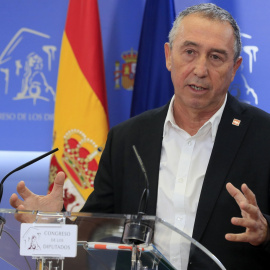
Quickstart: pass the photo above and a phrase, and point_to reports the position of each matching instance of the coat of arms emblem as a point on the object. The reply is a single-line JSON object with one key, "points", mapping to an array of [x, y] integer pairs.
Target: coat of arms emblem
{"points": [[125, 76]]}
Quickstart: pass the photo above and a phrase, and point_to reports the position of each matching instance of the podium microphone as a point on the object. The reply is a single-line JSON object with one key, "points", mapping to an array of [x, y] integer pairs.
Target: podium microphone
{"points": [[138, 231], [145, 194], [23, 166]]}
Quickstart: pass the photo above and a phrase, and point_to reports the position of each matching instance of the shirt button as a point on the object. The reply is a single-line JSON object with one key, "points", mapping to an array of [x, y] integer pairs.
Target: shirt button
{"points": [[180, 180], [189, 143]]}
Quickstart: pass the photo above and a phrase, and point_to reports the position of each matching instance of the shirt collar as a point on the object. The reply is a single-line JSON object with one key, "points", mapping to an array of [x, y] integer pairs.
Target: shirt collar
{"points": [[214, 120]]}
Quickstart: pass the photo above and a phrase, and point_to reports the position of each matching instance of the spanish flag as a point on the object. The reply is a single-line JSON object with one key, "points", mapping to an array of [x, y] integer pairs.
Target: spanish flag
{"points": [[80, 117]]}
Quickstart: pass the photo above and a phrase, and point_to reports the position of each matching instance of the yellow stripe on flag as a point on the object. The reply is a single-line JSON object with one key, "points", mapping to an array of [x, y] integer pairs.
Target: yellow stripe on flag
{"points": [[80, 121], [77, 99]]}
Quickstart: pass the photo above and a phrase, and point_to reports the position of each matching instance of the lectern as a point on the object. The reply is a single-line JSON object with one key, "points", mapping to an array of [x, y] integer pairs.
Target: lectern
{"points": [[45, 240]]}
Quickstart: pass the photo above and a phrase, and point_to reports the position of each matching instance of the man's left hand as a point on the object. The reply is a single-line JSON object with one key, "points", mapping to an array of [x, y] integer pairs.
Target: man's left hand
{"points": [[252, 218]]}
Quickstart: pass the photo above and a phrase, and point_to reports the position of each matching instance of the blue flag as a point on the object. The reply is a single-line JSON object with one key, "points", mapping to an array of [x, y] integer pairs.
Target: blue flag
{"points": [[153, 86]]}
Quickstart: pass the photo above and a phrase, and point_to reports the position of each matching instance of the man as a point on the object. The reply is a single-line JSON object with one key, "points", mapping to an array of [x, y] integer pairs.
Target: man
{"points": [[196, 149]]}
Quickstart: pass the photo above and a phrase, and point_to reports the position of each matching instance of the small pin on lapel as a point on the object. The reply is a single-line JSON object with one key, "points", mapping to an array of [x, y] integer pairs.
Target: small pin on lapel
{"points": [[236, 122]]}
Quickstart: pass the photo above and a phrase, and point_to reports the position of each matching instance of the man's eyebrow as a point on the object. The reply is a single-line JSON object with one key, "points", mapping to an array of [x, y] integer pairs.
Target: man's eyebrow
{"points": [[192, 43], [221, 51]]}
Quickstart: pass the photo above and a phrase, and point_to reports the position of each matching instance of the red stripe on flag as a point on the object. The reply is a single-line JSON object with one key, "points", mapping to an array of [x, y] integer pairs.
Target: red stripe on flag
{"points": [[84, 35]]}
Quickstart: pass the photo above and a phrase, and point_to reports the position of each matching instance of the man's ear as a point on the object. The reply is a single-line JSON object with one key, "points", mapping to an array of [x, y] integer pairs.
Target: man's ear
{"points": [[237, 64], [167, 50]]}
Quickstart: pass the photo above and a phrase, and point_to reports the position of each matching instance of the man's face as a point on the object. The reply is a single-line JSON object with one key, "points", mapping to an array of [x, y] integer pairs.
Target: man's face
{"points": [[202, 65]]}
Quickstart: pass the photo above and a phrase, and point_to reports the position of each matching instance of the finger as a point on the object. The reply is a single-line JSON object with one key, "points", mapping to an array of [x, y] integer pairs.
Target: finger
{"points": [[24, 217], [23, 191], [245, 222], [250, 196], [57, 190], [254, 239], [251, 210], [21, 207], [241, 237], [235, 193], [15, 201]]}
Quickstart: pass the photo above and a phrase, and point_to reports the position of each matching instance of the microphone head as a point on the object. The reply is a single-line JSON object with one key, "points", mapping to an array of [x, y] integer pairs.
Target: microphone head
{"points": [[138, 231]]}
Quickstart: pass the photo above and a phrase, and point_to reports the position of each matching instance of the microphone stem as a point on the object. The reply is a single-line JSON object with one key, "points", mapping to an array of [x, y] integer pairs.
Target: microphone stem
{"points": [[145, 193], [29, 163]]}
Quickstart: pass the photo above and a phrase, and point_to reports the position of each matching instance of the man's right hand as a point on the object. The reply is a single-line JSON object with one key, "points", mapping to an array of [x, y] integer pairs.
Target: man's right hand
{"points": [[52, 202]]}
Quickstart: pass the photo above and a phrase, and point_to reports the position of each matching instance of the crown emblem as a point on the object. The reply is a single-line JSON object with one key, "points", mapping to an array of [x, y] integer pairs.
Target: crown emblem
{"points": [[130, 56], [79, 157]]}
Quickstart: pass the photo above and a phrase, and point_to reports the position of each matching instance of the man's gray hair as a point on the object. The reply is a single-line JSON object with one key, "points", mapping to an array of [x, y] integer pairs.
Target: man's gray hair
{"points": [[212, 12]]}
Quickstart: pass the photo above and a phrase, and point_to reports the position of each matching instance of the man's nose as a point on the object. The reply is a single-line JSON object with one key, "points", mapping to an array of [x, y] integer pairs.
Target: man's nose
{"points": [[200, 68]]}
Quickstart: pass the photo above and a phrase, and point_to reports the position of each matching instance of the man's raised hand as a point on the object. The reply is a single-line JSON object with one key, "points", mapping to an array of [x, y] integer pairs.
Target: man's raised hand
{"points": [[52, 202]]}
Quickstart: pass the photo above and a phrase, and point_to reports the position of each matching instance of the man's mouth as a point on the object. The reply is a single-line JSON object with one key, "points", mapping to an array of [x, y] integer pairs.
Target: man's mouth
{"points": [[197, 88]]}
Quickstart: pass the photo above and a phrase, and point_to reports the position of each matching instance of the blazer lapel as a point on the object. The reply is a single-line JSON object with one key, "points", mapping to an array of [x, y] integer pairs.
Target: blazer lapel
{"points": [[149, 147], [229, 138]]}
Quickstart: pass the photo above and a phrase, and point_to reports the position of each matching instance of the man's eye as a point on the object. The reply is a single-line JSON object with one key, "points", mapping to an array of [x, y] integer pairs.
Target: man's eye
{"points": [[215, 57], [189, 52]]}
